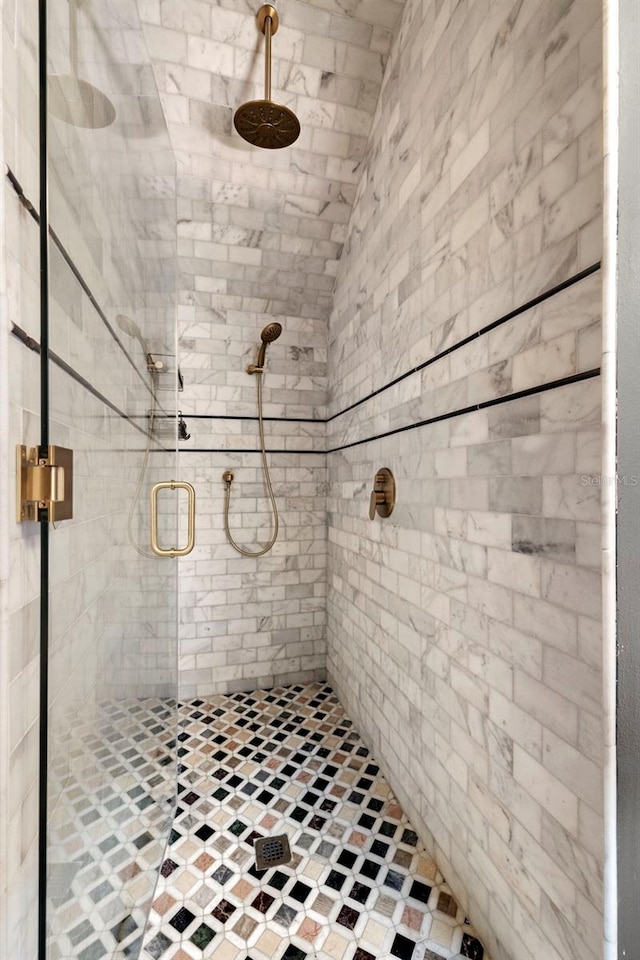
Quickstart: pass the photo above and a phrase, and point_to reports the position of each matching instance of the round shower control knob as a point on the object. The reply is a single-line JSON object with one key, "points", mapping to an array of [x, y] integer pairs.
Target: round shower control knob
{"points": [[383, 495]]}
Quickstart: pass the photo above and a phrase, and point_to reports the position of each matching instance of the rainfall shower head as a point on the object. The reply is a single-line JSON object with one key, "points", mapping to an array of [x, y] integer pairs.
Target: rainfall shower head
{"points": [[269, 333], [79, 103], [73, 100], [265, 123]]}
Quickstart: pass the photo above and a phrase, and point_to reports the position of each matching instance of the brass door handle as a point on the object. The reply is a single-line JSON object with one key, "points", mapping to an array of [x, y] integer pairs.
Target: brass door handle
{"points": [[383, 495], [191, 537]]}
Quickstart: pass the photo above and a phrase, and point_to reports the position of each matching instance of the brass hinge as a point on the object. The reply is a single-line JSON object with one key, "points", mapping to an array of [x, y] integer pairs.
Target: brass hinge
{"points": [[44, 483]]}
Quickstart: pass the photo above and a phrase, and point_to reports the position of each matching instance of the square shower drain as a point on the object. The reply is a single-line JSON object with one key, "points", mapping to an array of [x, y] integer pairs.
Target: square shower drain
{"points": [[272, 851]]}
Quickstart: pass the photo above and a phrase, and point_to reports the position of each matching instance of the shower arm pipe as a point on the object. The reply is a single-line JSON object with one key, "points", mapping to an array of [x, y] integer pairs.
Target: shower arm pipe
{"points": [[268, 24], [73, 37]]}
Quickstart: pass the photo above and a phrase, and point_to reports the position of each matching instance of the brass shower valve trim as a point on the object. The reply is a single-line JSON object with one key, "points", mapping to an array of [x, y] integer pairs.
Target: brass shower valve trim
{"points": [[383, 495]]}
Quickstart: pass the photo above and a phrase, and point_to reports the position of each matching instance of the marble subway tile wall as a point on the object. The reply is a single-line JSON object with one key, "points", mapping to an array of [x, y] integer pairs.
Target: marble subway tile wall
{"points": [[464, 631], [260, 236], [246, 623]]}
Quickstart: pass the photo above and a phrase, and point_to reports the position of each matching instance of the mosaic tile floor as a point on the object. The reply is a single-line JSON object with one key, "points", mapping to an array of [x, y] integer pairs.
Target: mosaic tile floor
{"points": [[111, 793], [359, 885]]}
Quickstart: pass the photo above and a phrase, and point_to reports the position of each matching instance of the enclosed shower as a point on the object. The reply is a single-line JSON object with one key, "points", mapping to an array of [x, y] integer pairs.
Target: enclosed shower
{"points": [[301, 644]]}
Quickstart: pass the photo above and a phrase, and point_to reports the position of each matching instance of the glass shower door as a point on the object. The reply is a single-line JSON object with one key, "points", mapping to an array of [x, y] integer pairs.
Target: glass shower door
{"points": [[112, 657]]}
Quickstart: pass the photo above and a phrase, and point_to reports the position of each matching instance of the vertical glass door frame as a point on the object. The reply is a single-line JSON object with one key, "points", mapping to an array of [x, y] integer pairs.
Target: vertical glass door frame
{"points": [[43, 734], [623, 622]]}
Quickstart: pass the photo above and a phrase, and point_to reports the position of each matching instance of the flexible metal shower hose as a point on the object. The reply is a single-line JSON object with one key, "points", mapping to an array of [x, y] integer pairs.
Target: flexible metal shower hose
{"points": [[267, 477]]}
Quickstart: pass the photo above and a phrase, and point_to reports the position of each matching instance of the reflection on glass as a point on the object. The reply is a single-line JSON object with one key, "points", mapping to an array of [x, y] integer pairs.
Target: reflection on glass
{"points": [[113, 669], [75, 100]]}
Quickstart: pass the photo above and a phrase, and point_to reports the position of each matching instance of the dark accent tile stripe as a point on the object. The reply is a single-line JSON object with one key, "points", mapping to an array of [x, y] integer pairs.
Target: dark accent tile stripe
{"points": [[28, 205], [238, 450], [540, 298], [32, 344], [236, 416], [546, 295], [531, 391]]}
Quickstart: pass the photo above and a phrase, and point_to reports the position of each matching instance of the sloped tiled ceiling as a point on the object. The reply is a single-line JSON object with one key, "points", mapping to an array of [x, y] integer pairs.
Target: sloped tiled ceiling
{"points": [[264, 228]]}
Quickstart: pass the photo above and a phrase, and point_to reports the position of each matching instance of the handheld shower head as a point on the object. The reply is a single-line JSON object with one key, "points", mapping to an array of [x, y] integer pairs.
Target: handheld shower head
{"points": [[129, 326], [269, 333]]}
